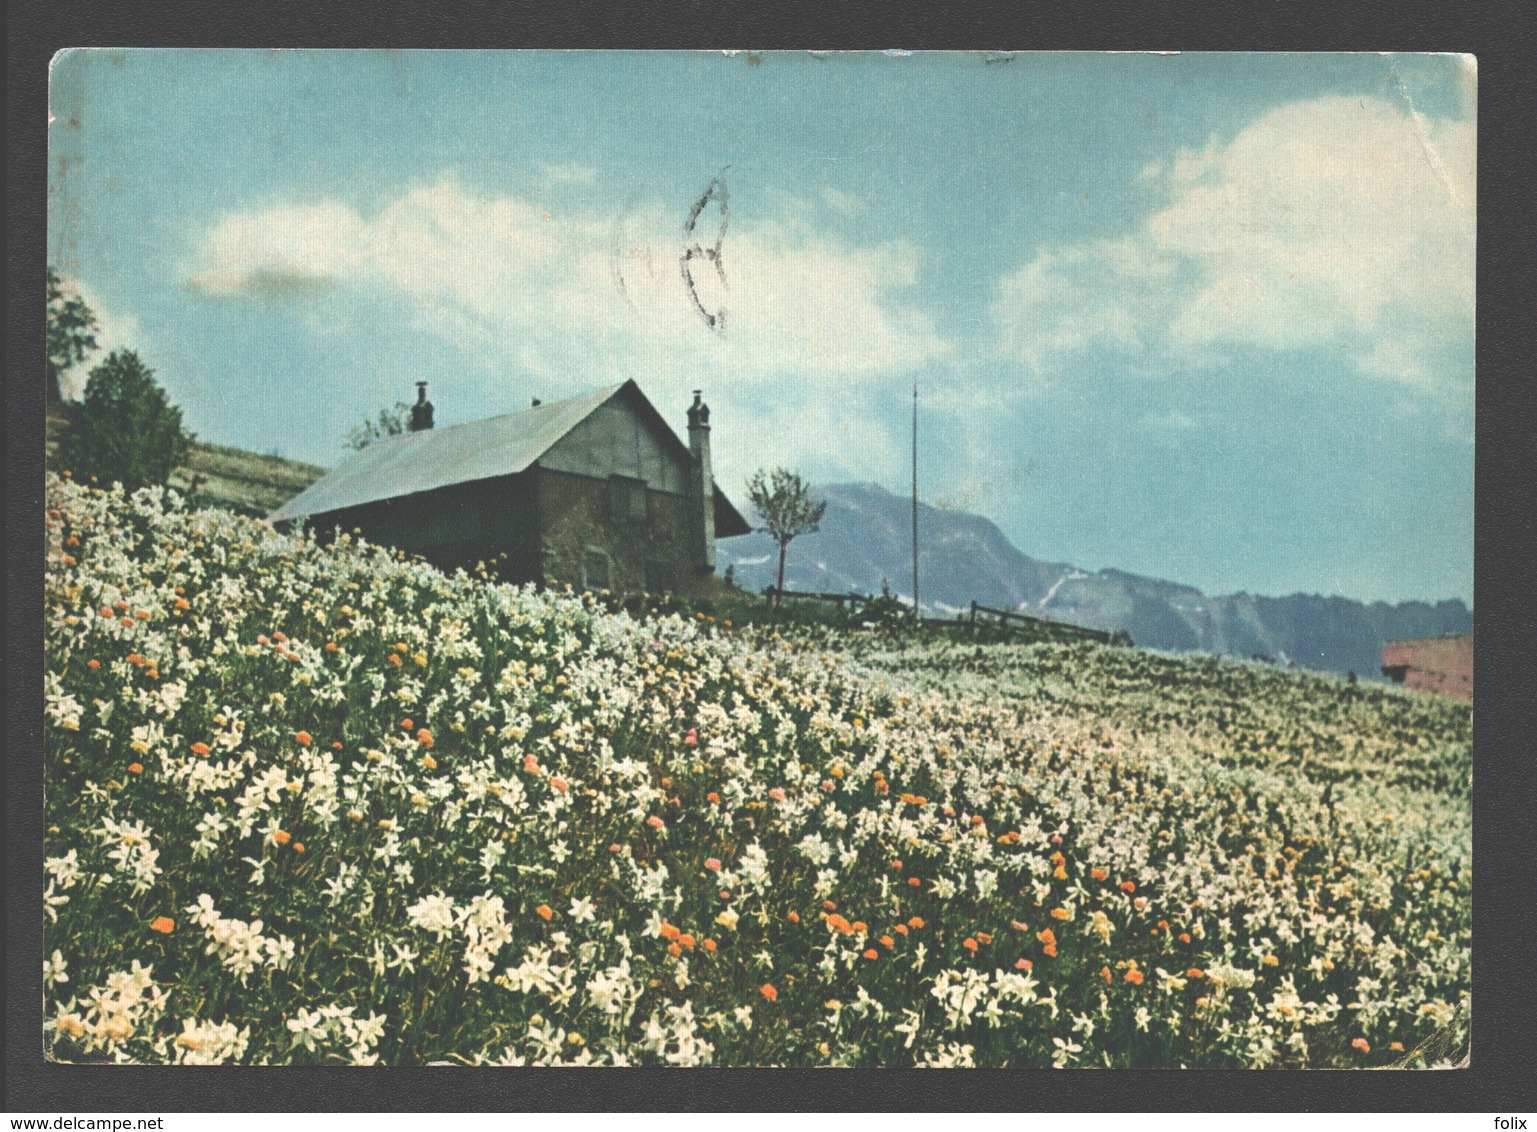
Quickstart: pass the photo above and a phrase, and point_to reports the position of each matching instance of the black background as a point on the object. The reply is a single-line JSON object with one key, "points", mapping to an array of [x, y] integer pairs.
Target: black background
{"points": [[1505, 750]]}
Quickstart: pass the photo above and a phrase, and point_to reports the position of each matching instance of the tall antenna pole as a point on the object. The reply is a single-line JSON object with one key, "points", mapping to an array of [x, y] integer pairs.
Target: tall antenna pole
{"points": [[915, 500]]}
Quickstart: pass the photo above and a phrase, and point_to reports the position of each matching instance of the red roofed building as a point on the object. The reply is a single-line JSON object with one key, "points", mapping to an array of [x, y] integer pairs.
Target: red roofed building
{"points": [[1435, 664]]}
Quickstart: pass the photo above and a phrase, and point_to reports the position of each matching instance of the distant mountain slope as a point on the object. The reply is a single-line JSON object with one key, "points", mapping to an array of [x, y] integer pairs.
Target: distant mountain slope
{"points": [[866, 537]]}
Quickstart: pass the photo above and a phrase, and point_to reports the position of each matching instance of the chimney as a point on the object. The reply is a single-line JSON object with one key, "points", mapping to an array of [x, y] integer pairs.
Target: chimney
{"points": [[421, 412], [701, 486]]}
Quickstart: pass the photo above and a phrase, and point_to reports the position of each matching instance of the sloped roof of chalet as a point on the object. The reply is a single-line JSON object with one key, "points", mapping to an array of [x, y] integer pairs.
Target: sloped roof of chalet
{"points": [[416, 462]]}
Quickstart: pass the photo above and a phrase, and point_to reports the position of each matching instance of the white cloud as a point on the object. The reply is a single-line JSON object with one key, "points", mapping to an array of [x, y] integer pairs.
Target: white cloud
{"points": [[1337, 222], [569, 300], [571, 173]]}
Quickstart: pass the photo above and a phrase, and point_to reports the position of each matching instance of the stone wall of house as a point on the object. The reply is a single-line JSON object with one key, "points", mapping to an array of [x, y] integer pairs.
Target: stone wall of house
{"points": [[1436, 664], [616, 534]]}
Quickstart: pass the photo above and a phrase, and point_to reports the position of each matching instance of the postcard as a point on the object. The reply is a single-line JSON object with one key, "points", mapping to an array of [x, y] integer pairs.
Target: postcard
{"points": [[787, 559]]}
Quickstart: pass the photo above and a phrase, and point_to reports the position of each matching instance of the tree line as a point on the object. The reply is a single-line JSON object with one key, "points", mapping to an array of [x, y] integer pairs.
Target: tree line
{"points": [[124, 428]]}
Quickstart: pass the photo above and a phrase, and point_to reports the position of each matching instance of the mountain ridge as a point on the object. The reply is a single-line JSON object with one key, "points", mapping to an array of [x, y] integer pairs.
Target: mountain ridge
{"points": [[865, 540]]}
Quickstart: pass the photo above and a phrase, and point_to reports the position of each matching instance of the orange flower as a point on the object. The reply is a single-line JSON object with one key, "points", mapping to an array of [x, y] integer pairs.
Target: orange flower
{"points": [[200, 750], [708, 945], [900, 929], [558, 785], [1019, 925], [969, 944], [1056, 839], [1134, 977], [984, 937], [298, 846], [793, 916], [1362, 1044], [870, 953], [860, 926], [331, 646], [303, 738], [691, 739], [1184, 937], [1398, 1046], [543, 912], [281, 837], [839, 924], [713, 864], [406, 724], [916, 923], [713, 798], [687, 941], [395, 660], [1023, 964], [1128, 886], [674, 950], [897, 865], [767, 991], [530, 764], [887, 942], [424, 737], [162, 924], [1061, 914], [1104, 973], [1099, 874], [829, 905], [1050, 949], [183, 603], [1195, 973], [93, 664], [913, 882], [655, 822], [1164, 924], [135, 768], [1048, 937], [669, 931]]}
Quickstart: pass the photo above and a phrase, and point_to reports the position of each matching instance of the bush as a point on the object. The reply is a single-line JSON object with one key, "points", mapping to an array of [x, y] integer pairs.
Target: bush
{"points": [[127, 431]]}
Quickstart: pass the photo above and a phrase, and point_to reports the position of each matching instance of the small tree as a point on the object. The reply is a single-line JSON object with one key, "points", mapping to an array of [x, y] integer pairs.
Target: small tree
{"points": [[127, 430], [71, 334], [785, 502], [391, 422]]}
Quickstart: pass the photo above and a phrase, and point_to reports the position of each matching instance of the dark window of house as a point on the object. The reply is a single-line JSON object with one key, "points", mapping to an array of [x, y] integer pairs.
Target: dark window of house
{"points": [[596, 574], [626, 499]]}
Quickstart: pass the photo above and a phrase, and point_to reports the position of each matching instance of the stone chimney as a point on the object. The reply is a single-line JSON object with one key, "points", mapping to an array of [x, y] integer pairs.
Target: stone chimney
{"points": [[421, 412], [701, 486]]}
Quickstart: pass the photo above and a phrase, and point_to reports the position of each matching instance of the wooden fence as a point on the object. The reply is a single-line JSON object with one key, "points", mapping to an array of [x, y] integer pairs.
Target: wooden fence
{"points": [[981, 618], [1043, 627], [853, 600]]}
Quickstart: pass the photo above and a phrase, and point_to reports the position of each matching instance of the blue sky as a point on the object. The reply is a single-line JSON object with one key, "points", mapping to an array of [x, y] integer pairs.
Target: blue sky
{"points": [[1204, 317]]}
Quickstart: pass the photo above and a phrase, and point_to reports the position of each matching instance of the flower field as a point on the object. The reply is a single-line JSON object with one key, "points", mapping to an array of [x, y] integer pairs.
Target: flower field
{"points": [[313, 806]]}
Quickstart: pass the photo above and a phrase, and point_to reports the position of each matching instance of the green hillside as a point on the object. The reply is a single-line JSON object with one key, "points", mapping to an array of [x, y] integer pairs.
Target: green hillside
{"points": [[232, 478], [312, 805]]}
